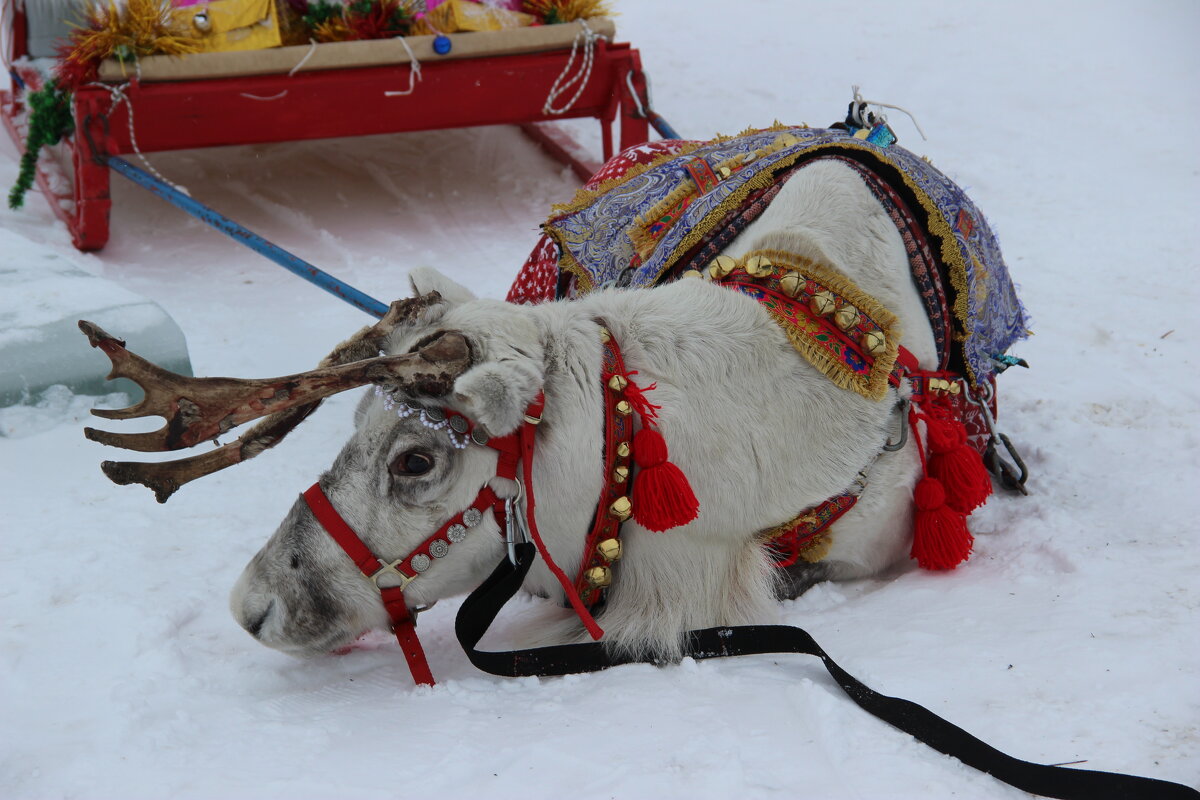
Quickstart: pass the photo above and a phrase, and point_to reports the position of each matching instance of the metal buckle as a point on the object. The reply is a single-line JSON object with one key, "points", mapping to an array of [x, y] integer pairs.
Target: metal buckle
{"points": [[392, 569], [1012, 474]]}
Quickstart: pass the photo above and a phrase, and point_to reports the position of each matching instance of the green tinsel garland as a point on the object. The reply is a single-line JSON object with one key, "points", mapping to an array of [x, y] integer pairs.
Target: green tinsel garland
{"points": [[320, 11], [50, 120]]}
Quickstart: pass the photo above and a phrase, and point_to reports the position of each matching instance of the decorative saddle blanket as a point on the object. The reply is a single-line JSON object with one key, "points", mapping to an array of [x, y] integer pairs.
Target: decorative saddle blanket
{"points": [[676, 212]]}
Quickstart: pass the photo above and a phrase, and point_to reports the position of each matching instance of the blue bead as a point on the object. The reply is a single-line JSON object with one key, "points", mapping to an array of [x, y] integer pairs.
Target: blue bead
{"points": [[441, 44]]}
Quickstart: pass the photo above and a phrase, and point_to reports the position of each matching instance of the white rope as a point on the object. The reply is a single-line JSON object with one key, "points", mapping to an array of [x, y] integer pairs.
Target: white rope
{"points": [[414, 71], [312, 48], [858, 101], [119, 96], [561, 84], [279, 96]]}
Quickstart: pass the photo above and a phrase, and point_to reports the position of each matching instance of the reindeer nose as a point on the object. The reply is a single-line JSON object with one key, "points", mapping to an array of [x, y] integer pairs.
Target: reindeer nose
{"points": [[255, 625]]}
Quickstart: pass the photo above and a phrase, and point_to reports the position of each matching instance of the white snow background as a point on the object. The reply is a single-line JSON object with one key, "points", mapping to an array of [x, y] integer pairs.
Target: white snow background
{"points": [[1071, 635]]}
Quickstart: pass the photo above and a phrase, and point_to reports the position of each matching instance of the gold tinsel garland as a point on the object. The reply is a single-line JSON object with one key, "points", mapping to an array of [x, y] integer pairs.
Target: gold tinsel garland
{"points": [[140, 28]]}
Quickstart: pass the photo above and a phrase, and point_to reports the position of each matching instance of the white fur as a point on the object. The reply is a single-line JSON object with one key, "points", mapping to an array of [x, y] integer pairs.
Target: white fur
{"points": [[760, 434]]}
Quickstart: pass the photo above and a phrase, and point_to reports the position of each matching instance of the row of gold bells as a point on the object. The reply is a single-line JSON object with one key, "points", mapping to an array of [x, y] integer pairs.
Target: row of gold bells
{"points": [[943, 385], [791, 284], [620, 509]]}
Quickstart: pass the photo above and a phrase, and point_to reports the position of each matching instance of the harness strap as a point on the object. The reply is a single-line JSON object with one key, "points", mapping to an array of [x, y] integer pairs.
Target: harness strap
{"points": [[480, 609], [403, 623], [342, 533]]}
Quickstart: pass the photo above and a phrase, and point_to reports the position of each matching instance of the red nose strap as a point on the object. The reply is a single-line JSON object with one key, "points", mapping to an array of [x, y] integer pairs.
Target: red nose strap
{"points": [[403, 624]]}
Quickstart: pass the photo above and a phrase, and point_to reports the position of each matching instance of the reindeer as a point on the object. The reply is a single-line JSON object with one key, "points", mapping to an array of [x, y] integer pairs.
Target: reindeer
{"points": [[759, 433]]}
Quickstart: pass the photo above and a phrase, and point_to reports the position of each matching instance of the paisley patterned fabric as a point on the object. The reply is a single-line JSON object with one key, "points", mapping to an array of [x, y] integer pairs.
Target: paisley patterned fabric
{"points": [[632, 229]]}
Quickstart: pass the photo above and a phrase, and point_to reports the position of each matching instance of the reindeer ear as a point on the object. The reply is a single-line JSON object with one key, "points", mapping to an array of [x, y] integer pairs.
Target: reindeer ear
{"points": [[496, 393], [428, 279]]}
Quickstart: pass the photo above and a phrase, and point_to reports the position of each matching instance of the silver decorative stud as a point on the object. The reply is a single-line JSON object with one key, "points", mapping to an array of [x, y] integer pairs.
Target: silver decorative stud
{"points": [[472, 516], [438, 548], [458, 424], [479, 436], [456, 533], [421, 562], [435, 414]]}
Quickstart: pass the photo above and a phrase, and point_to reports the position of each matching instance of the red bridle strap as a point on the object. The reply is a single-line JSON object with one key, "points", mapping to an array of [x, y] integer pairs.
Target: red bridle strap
{"points": [[518, 447], [434, 547]]}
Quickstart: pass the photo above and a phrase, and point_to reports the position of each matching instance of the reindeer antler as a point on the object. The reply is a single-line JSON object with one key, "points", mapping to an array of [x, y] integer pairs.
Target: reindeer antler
{"points": [[199, 409]]}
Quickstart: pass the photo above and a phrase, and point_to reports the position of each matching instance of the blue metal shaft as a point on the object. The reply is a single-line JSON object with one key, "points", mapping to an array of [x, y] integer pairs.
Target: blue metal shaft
{"points": [[662, 126], [283, 258]]}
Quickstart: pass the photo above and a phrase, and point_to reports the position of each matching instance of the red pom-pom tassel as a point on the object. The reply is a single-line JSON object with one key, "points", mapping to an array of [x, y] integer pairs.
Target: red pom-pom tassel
{"points": [[662, 497], [940, 536], [957, 465]]}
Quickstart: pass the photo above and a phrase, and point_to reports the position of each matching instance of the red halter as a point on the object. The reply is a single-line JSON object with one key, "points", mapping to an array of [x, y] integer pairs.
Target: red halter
{"points": [[515, 448]]}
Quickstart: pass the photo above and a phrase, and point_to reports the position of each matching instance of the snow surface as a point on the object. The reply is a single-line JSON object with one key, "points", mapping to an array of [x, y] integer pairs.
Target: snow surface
{"points": [[1070, 635]]}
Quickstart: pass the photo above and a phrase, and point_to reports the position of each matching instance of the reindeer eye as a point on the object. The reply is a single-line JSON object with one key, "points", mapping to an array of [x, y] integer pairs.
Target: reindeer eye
{"points": [[411, 462]]}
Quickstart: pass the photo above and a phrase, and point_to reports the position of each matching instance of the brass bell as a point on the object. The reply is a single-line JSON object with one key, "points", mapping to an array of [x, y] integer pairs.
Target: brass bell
{"points": [[691, 273], [758, 267], [726, 172], [846, 317], [620, 509], [954, 387], [938, 385], [721, 266], [786, 140], [792, 283], [874, 342], [620, 474], [609, 549], [623, 408], [618, 383], [823, 303], [598, 577], [623, 450], [605, 336]]}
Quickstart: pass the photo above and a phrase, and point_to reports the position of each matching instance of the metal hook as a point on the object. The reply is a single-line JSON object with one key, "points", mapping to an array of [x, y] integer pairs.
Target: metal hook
{"points": [[902, 407], [1012, 475]]}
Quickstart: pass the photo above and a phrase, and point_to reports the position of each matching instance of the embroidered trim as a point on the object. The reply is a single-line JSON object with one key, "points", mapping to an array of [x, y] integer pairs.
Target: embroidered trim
{"points": [[840, 353], [807, 537], [585, 197]]}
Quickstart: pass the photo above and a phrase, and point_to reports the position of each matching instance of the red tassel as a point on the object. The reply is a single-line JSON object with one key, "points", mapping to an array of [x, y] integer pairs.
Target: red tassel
{"points": [[662, 497], [957, 465], [940, 536]]}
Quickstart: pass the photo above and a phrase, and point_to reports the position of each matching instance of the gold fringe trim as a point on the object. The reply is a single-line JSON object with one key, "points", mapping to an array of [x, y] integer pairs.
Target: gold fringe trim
{"points": [[874, 385], [813, 551], [643, 242], [818, 548]]}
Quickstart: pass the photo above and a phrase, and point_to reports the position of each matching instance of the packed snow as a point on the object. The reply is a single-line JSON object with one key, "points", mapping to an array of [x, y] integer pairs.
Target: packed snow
{"points": [[1070, 636]]}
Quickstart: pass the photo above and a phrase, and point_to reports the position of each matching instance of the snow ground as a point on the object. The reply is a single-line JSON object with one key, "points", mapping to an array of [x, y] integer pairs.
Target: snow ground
{"points": [[1070, 635]]}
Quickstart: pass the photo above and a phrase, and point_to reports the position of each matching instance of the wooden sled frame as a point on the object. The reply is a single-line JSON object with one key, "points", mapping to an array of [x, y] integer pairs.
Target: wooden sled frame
{"points": [[175, 115]]}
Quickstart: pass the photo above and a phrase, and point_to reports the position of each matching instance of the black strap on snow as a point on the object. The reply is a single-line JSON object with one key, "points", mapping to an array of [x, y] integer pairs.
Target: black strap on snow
{"points": [[479, 610]]}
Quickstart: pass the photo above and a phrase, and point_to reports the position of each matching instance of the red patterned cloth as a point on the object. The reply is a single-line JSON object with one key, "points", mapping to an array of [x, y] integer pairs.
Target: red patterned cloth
{"points": [[538, 278]]}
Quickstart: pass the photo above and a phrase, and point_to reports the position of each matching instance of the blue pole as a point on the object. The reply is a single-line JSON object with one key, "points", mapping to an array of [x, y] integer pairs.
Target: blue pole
{"points": [[662, 126], [283, 258]]}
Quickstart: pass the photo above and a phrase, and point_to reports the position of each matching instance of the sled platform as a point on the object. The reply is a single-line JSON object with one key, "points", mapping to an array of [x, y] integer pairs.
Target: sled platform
{"points": [[315, 103]]}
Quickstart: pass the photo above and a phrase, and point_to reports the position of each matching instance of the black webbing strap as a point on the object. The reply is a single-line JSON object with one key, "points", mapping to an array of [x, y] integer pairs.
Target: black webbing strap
{"points": [[481, 607]]}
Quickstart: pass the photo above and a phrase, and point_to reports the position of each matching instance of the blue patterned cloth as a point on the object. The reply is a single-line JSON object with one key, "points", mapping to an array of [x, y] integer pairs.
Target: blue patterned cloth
{"points": [[599, 235]]}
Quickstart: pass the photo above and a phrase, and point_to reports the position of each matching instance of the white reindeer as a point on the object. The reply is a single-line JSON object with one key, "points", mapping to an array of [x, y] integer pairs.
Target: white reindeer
{"points": [[759, 432]]}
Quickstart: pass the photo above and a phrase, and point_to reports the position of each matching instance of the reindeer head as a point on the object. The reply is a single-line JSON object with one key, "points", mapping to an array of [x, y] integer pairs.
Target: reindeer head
{"points": [[395, 482]]}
